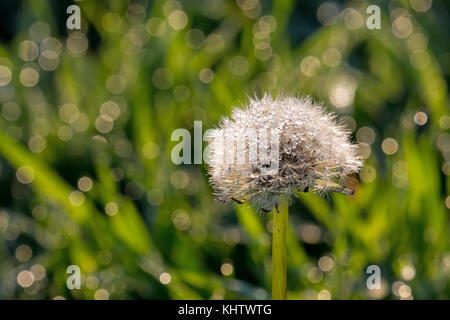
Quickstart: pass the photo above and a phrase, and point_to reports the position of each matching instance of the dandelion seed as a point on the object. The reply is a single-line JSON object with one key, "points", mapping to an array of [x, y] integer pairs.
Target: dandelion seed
{"points": [[314, 152]]}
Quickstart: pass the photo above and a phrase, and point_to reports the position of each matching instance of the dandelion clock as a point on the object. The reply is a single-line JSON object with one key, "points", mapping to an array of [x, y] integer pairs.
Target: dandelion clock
{"points": [[270, 151]]}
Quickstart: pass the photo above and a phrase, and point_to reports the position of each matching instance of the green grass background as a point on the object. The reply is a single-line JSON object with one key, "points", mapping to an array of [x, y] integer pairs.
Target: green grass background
{"points": [[167, 220]]}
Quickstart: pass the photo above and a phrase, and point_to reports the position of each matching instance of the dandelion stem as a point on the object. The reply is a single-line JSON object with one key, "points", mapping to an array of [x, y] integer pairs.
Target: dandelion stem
{"points": [[280, 223]]}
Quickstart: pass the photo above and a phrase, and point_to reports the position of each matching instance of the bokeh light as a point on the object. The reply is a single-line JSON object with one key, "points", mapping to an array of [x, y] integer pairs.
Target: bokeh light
{"points": [[86, 174]]}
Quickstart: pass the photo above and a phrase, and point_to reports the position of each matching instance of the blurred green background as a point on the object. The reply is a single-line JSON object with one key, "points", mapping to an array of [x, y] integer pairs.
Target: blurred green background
{"points": [[86, 176]]}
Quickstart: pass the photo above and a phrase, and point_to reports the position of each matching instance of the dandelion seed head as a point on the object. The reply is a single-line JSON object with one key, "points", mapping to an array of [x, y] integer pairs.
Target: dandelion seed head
{"points": [[305, 148]]}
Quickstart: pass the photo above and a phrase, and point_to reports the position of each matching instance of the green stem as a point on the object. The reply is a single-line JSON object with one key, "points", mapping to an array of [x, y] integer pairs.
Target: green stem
{"points": [[280, 223]]}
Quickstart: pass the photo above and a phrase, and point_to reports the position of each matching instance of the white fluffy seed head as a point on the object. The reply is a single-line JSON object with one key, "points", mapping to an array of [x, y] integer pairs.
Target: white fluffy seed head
{"points": [[299, 147]]}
